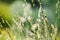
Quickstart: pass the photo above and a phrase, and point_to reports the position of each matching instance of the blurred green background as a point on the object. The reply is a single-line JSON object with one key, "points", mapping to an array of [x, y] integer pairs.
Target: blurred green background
{"points": [[11, 7]]}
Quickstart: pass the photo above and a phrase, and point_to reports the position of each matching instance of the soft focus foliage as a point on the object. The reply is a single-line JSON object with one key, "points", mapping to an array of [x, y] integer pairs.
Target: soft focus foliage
{"points": [[19, 21]]}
